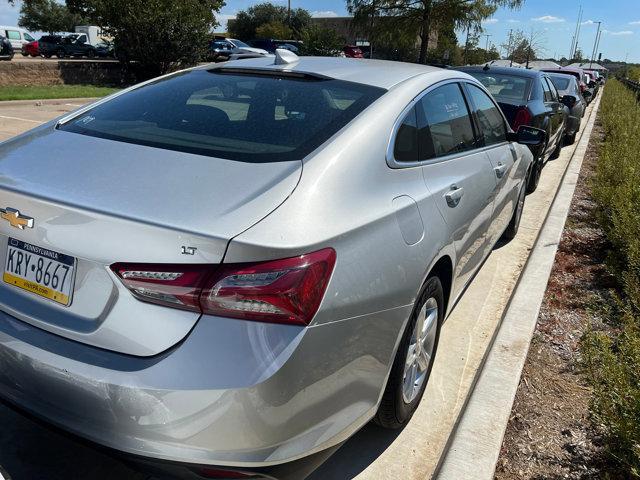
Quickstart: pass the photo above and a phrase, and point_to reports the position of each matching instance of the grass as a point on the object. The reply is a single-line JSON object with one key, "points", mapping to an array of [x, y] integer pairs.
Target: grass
{"points": [[612, 360], [25, 92]]}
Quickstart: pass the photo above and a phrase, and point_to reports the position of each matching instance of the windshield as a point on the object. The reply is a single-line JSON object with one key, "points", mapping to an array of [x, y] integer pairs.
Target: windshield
{"points": [[239, 44], [560, 82], [504, 87], [252, 118]]}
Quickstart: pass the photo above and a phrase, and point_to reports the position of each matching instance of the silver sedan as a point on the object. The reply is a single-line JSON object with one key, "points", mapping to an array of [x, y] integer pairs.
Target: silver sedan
{"points": [[238, 266]]}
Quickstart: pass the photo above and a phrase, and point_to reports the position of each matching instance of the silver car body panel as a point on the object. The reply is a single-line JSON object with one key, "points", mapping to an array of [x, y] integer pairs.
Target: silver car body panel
{"points": [[226, 391]]}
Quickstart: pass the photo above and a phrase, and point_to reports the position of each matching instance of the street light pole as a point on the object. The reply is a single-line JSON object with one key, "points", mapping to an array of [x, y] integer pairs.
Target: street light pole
{"points": [[289, 14], [486, 50], [595, 45]]}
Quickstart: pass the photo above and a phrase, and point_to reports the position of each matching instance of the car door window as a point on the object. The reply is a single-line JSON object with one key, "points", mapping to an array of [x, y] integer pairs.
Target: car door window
{"points": [[548, 96], [444, 123], [13, 35], [405, 148], [491, 122], [28, 37], [554, 92]]}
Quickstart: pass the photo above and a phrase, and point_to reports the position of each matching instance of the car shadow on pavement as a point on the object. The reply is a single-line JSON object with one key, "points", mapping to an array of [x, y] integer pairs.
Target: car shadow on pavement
{"points": [[356, 454]]}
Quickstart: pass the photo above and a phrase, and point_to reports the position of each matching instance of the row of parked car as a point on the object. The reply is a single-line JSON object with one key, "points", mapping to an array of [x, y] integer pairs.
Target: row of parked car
{"points": [[223, 48], [553, 100]]}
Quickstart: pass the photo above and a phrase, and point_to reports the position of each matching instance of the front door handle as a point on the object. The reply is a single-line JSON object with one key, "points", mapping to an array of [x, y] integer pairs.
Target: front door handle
{"points": [[454, 195], [500, 170]]}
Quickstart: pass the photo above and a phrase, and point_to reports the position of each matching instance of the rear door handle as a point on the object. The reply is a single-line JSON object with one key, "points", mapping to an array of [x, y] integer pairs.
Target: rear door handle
{"points": [[454, 195], [500, 170]]}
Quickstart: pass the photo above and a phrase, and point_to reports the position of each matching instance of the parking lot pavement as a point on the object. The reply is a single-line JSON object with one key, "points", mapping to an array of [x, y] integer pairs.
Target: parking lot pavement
{"points": [[17, 117], [28, 451]]}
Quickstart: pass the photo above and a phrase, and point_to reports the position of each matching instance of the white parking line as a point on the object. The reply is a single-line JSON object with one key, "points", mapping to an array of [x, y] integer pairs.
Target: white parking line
{"points": [[73, 105], [21, 119]]}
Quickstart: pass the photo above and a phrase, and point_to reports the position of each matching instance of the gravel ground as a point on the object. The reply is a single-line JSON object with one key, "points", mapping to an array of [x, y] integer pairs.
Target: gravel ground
{"points": [[549, 435]]}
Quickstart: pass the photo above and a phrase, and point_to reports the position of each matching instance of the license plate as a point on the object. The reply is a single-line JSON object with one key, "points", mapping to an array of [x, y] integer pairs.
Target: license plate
{"points": [[40, 271]]}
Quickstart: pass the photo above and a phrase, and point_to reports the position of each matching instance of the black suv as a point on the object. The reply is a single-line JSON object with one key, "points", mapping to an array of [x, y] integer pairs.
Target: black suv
{"points": [[74, 45], [6, 50]]}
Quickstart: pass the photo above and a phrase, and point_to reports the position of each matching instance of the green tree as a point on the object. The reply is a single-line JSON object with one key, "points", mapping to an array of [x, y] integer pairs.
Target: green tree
{"points": [[153, 36], [48, 16], [274, 29], [248, 21], [420, 16], [322, 42]]}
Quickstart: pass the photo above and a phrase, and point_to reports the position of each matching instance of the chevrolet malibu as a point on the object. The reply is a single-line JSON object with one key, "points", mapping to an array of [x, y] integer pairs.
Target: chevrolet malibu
{"points": [[235, 267]]}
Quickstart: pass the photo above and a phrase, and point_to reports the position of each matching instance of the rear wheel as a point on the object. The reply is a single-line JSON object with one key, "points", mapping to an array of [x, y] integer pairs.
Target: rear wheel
{"points": [[570, 139], [534, 176], [414, 360], [91, 54], [514, 224], [60, 53], [556, 152]]}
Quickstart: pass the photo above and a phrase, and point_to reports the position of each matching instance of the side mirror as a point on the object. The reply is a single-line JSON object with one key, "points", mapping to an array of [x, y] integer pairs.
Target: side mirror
{"points": [[569, 100], [526, 135], [592, 84]]}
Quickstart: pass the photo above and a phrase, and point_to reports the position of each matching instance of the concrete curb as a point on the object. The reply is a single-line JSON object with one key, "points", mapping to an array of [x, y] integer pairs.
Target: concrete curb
{"points": [[474, 447], [46, 101]]}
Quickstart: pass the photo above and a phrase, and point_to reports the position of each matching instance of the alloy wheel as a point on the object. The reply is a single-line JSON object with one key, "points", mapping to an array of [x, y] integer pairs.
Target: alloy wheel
{"points": [[420, 350]]}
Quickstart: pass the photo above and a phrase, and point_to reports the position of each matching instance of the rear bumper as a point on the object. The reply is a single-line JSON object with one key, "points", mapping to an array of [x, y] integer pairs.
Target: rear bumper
{"points": [[233, 393]]}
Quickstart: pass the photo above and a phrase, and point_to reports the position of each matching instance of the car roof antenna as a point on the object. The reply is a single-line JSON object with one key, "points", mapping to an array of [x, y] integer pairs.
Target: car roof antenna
{"points": [[486, 67], [285, 57]]}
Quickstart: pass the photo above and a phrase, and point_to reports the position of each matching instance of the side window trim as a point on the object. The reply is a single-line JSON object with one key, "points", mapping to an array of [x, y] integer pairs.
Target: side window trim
{"points": [[395, 164]]}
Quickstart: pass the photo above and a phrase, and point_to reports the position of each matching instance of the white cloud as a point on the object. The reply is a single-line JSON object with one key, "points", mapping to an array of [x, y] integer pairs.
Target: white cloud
{"points": [[513, 20], [588, 22], [490, 21], [637, 22], [324, 13], [621, 33], [548, 19]]}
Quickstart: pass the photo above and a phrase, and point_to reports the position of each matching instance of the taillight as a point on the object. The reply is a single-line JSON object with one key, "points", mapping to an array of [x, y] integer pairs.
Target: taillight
{"points": [[523, 117], [279, 291]]}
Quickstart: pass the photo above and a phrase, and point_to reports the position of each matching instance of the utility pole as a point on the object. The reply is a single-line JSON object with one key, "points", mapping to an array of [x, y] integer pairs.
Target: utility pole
{"points": [[510, 52], [289, 14], [486, 50], [574, 41], [595, 45]]}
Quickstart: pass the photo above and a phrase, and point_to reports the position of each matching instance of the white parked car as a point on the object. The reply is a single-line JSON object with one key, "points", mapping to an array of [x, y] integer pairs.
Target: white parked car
{"points": [[17, 36], [232, 49]]}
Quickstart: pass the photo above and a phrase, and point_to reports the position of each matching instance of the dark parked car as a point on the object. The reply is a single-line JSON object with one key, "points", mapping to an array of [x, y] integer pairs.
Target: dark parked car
{"points": [[581, 77], [567, 86], [528, 97], [270, 45], [6, 50], [74, 45]]}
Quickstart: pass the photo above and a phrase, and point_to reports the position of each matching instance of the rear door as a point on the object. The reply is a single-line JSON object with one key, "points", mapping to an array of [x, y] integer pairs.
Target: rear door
{"points": [[552, 105], [492, 130], [458, 173]]}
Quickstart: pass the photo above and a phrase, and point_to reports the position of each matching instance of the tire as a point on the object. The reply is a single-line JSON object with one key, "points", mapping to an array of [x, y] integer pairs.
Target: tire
{"points": [[556, 152], [402, 396], [570, 139], [47, 55], [60, 53], [91, 54], [512, 229], [534, 176]]}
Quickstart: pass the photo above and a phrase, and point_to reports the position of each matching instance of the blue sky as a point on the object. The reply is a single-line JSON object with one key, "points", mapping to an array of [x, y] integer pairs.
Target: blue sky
{"points": [[555, 21]]}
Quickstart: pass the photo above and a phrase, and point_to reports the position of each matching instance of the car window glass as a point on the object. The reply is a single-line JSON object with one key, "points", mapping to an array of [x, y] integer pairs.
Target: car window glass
{"points": [[548, 96], [504, 86], [492, 125], [28, 37], [13, 35], [444, 123], [554, 92], [82, 39], [406, 145], [251, 118], [561, 83]]}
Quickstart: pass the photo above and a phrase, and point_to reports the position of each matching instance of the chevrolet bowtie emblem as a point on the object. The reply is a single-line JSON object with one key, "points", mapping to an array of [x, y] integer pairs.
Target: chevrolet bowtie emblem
{"points": [[16, 220]]}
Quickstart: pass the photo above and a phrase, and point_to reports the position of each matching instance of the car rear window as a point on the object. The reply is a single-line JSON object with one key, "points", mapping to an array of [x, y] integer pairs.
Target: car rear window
{"points": [[503, 86], [561, 83], [237, 116]]}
